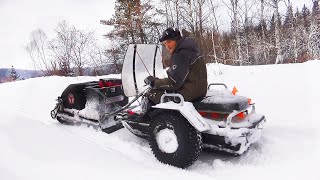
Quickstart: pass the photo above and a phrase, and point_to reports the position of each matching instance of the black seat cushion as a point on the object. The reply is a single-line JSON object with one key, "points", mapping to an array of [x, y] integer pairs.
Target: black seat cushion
{"points": [[221, 103]]}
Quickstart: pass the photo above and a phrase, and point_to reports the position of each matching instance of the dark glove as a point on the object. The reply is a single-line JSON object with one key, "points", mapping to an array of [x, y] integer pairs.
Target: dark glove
{"points": [[149, 81]]}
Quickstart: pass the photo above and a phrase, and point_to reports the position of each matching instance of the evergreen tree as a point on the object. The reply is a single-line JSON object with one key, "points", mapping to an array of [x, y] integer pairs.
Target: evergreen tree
{"points": [[316, 13], [14, 74], [315, 8], [132, 24], [306, 15], [289, 39], [301, 34], [289, 19], [298, 19], [314, 35], [272, 23]]}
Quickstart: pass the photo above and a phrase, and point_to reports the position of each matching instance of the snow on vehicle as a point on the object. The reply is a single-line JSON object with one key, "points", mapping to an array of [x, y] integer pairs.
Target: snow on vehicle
{"points": [[88, 102], [176, 130]]}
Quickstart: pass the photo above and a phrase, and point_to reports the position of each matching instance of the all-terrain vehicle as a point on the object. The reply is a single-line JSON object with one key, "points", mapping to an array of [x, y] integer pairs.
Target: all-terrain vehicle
{"points": [[176, 130]]}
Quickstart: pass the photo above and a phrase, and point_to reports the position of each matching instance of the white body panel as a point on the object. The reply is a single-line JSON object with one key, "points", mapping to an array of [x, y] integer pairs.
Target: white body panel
{"points": [[189, 112]]}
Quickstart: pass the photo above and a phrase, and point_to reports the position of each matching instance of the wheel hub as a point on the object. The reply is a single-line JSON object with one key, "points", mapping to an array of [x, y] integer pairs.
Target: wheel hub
{"points": [[167, 140]]}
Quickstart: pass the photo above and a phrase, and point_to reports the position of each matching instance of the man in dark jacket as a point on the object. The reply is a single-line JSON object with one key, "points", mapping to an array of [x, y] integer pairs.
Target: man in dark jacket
{"points": [[187, 73]]}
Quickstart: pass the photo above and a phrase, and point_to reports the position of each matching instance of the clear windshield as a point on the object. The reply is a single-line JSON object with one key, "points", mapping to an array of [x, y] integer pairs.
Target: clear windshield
{"points": [[144, 65]]}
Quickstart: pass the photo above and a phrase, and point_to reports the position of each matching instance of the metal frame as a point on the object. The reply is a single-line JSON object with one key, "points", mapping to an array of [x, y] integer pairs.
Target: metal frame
{"points": [[134, 68], [126, 106], [234, 113], [97, 89], [174, 95], [154, 61], [217, 84]]}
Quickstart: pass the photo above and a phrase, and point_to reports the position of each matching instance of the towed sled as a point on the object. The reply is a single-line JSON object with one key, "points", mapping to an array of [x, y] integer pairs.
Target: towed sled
{"points": [[177, 130], [87, 103]]}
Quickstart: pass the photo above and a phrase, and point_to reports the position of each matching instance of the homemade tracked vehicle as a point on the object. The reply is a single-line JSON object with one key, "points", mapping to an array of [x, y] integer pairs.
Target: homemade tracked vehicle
{"points": [[176, 130]]}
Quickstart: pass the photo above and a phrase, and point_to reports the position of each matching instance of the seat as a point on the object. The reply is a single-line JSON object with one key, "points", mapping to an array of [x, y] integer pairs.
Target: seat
{"points": [[221, 103]]}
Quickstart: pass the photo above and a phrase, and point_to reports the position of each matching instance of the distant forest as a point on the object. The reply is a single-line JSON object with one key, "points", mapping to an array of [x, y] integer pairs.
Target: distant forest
{"points": [[12, 74], [253, 38], [258, 34]]}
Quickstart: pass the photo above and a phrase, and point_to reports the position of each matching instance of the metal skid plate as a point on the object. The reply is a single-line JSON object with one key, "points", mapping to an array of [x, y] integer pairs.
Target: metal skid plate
{"points": [[235, 145], [235, 141], [73, 117]]}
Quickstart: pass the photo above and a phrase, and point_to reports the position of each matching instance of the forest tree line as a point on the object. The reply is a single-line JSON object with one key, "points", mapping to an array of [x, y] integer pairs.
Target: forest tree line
{"points": [[254, 32], [254, 36]]}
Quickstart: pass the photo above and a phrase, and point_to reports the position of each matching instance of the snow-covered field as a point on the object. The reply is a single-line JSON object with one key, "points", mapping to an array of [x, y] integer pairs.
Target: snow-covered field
{"points": [[33, 146]]}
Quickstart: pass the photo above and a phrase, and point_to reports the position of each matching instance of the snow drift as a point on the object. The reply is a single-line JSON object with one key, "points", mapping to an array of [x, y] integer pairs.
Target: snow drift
{"points": [[33, 146]]}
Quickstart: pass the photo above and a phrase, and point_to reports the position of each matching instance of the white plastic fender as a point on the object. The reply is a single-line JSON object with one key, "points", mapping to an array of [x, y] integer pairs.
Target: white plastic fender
{"points": [[189, 112]]}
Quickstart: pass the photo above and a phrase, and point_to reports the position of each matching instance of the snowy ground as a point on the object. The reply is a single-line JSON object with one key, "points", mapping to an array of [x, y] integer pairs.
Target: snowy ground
{"points": [[33, 146]]}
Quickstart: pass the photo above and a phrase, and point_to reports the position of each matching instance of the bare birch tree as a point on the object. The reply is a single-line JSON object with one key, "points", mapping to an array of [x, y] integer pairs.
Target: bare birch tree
{"points": [[38, 50], [275, 5]]}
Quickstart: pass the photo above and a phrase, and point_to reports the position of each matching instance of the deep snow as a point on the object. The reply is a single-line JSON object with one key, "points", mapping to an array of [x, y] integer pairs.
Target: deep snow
{"points": [[33, 146]]}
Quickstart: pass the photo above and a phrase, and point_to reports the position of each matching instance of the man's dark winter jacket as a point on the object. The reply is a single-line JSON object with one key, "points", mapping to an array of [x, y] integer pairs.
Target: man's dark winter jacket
{"points": [[187, 73]]}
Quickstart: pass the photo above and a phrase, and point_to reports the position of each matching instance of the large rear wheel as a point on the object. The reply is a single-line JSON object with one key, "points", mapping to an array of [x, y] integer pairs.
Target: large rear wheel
{"points": [[173, 140]]}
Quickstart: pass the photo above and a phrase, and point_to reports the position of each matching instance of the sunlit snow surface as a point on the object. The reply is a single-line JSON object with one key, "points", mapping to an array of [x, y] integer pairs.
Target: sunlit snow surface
{"points": [[33, 146]]}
